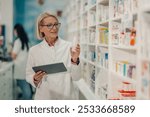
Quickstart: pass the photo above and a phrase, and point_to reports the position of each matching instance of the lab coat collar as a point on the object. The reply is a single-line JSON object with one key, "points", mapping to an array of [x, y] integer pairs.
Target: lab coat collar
{"points": [[57, 43]]}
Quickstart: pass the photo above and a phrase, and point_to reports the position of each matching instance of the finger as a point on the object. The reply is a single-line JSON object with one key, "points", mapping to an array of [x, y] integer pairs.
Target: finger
{"points": [[77, 46], [40, 76], [37, 73], [77, 50], [36, 83]]}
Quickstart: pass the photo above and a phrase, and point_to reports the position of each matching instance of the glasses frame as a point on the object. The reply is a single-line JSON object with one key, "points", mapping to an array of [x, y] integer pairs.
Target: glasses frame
{"points": [[59, 24]]}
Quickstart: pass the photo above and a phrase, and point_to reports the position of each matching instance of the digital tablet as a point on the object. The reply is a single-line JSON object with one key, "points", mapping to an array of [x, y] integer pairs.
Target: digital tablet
{"points": [[51, 68]]}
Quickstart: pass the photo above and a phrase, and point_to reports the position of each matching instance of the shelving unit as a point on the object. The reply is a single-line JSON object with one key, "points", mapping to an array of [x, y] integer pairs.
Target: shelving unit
{"points": [[144, 52], [111, 58]]}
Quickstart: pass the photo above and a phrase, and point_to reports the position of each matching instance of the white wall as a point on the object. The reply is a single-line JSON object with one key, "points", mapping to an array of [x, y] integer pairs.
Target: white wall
{"points": [[6, 17]]}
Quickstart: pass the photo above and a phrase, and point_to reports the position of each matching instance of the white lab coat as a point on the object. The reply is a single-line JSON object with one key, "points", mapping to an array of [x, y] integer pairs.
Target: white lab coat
{"points": [[54, 86], [20, 61]]}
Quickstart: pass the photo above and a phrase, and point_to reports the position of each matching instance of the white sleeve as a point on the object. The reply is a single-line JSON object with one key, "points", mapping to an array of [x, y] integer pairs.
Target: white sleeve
{"points": [[29, 70], [76, 72], [16, 47], [75, 69]]}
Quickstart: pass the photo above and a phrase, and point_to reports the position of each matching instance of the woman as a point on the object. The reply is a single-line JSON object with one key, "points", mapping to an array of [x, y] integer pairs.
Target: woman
{"points": [[19, 55], [52, 50]]}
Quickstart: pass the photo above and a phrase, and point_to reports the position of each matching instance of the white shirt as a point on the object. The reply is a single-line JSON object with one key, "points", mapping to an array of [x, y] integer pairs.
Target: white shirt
{"points": [[54, 86], [20, 61]]}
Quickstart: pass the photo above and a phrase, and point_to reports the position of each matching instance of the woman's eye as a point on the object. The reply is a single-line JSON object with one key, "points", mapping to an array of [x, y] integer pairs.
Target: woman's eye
{"points": [[49, 25]]}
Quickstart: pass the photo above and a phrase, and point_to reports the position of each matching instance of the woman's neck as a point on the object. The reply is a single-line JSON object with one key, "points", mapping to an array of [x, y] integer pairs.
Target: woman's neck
{"points": [[51, 41]]}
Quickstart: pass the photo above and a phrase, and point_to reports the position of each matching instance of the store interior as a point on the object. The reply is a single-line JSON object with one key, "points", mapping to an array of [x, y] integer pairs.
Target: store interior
{"points": [[114, 36]]}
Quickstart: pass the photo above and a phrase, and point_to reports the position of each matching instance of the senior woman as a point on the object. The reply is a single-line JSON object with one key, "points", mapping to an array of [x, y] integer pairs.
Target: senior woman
{"points": [[52, 50]]}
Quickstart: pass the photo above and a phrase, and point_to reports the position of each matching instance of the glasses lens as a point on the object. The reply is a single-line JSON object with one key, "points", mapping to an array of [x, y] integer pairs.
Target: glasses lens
{"points": [[57, 25], [50, 26]]}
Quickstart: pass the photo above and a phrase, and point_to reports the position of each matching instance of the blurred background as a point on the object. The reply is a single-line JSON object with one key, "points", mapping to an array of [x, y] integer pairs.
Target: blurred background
{"points": [[24, 12]]}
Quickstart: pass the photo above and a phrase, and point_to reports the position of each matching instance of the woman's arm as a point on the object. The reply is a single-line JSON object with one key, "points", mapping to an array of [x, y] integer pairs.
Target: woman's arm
{"points": [[16, 49], [75, 63], [13, 55], [29, 72]]}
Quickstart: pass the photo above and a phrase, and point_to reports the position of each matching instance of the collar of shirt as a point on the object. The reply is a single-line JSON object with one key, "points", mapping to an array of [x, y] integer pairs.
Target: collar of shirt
{"points": [[57, 43]]}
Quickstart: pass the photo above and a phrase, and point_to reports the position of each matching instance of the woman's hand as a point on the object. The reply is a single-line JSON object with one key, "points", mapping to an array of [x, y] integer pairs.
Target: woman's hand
{"points": [[75, 54], [38, 77]]}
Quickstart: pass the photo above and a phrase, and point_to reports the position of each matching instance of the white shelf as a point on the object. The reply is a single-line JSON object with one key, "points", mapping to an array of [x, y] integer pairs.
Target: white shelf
{"points": [[125, 47], [104, 23], [83, 43], [84, 28], [91, 44], [145, 59], [123, 78], [88, 61], [103, 45], [92, 63], [5, 66], [85, 90], [84, 59], [92, 7], [84, 12], [146, 8], [92, 26], [106, 69], [116, 19]]}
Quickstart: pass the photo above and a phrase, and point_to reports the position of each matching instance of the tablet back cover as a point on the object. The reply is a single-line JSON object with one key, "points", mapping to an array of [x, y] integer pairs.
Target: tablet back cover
{"points": [[51, 68]]}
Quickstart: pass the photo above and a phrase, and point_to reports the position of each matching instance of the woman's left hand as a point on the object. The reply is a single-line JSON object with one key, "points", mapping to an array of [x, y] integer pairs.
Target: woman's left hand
{"points": [[75, 53]]}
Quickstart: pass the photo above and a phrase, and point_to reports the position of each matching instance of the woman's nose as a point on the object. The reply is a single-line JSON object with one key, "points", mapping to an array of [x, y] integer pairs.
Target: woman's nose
{"points": [[54, 27]]}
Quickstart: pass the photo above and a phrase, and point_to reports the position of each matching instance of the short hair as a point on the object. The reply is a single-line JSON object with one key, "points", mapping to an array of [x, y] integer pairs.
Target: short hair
{"points": [[40, 19]]}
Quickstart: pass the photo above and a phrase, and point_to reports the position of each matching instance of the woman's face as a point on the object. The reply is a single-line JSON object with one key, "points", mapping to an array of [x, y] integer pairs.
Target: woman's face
{"points": [[15, 33], [50, 27]]}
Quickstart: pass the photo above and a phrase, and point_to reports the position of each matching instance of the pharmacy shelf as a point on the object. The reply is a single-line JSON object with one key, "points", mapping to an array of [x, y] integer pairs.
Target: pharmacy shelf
{"points": [[144, 55], [99, 26], [92, 7], [143, 97], [145, 59], [85, 90], [103, 23], [123, 78], [146, 8], [101, 67], [116, 19], [90, 62], [103, 2], [91, 44], [7, 66], [125, 47], [83, 43], [92, 26], [103, 45]]}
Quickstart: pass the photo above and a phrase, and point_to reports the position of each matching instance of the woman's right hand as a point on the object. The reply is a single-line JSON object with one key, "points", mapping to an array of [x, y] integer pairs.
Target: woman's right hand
{"points": [[38, 77]]}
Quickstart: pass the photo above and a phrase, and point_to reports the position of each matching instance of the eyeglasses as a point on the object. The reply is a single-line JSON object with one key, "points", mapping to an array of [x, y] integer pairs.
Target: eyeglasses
{"points": [[51, 26]]}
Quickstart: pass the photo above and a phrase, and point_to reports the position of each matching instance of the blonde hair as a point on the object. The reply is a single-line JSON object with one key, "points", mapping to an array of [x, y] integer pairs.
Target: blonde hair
{"points": [[40, 19]]}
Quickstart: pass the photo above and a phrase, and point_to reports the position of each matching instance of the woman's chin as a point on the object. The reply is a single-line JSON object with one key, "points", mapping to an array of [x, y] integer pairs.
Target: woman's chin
{"points": [[54, 36]]}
